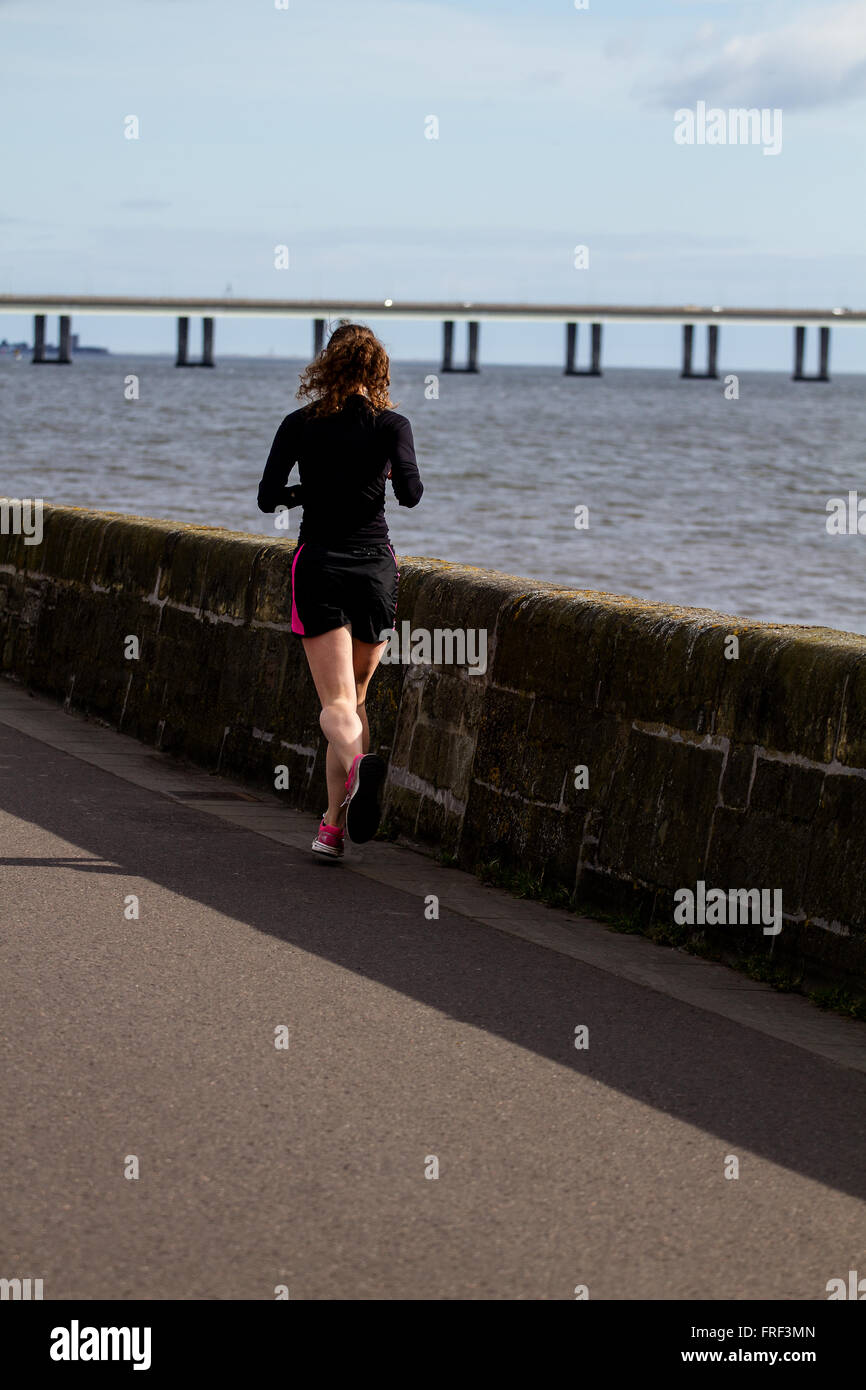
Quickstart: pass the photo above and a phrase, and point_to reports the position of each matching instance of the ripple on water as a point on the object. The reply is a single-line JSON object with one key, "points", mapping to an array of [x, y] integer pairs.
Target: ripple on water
{"points": [[690, 501]]}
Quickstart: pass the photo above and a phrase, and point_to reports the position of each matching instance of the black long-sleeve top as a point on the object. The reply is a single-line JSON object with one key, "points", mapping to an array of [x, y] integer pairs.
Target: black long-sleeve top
{"points": [[344, 460]]}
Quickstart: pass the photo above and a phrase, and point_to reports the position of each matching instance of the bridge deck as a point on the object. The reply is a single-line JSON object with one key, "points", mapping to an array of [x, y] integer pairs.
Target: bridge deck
{"points": [[419, 309]]}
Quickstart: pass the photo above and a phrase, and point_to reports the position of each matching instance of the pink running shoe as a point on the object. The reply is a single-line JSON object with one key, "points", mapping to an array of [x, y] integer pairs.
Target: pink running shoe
{"points": [[364, 797], [328, 841]]}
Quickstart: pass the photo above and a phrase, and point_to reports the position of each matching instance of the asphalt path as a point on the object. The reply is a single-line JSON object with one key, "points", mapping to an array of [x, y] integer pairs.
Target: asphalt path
{"points": [[409, 1040]]}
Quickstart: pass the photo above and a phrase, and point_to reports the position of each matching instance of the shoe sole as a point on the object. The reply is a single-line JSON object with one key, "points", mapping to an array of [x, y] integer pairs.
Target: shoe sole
{"points": [[364, 811], [325, 851]]}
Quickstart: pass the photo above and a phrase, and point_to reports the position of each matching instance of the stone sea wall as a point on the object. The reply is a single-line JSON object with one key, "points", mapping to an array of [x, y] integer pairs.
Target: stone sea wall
{"points": [[619, 749]]}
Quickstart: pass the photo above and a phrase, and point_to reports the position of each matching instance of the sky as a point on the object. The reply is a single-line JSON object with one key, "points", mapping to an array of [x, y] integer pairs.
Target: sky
{"points": [[306, 127]]}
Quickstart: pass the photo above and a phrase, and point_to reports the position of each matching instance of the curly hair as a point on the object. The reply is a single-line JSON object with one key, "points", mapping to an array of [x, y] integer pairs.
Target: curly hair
{"points": [[354, 362]]}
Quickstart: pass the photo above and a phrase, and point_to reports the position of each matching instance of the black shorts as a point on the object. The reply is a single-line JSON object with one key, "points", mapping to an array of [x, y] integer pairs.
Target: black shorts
{"points": [[355, 584]]}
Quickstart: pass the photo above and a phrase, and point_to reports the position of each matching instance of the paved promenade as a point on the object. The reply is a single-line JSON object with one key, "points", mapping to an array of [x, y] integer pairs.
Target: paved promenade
{"points": [[409, 1039]]}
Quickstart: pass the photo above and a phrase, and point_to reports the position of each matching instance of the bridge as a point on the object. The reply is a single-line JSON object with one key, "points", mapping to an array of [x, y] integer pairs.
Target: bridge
{"points": [[448, 313]]}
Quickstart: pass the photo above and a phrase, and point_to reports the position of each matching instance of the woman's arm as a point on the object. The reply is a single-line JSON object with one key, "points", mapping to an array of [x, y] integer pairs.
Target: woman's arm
{"points": [[405, 478], [281, 460]]}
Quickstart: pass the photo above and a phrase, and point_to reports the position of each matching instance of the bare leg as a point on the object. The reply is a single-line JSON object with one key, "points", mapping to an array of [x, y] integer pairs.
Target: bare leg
{"points": [[330, 660], [365, 727], [365, 658], [341, 668]]}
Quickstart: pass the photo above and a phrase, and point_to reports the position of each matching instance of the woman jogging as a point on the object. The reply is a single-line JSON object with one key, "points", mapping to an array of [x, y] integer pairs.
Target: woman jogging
{"points": [[347, 442]]}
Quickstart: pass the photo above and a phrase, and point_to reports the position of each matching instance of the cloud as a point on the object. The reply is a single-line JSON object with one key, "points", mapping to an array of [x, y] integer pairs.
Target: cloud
{"points": [[817, 59]]}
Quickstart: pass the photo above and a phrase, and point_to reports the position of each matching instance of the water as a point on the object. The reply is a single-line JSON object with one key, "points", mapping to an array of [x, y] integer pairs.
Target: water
{"points": [[693, 499]]}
